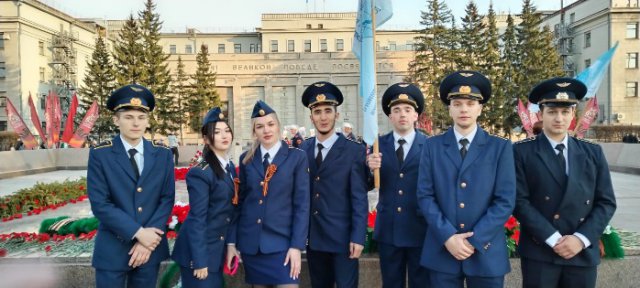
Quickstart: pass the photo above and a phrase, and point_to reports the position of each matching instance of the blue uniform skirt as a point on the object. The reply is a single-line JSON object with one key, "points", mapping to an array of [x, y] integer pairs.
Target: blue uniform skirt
{"points": [[267, 269]]}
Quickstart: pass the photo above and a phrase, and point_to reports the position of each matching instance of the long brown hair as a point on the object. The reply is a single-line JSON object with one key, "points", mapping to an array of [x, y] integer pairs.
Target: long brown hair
{"points": [[256, 144], [209, 131]]}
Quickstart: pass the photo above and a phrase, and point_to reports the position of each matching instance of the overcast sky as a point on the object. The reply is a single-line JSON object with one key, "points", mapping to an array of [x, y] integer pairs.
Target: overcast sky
{"points": [[244, 15]]}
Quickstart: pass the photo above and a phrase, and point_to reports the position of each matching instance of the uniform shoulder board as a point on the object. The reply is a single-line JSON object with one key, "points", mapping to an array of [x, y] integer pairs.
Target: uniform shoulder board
{"points": [[498, 136], [203, 164], [159, 145], [526, 140], [104, 144], [585, 141], [295, 148]]}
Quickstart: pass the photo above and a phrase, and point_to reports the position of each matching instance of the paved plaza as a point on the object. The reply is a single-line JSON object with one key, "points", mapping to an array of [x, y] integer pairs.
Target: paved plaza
{"points": [[627, 188]]}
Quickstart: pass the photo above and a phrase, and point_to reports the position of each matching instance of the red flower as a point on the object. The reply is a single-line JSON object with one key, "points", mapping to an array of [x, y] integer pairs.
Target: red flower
{"points": [[48, 248], [371, 223], [17, 216], [43, 237], [511, 223], [3, 252], [516, 236], [171, 234]]}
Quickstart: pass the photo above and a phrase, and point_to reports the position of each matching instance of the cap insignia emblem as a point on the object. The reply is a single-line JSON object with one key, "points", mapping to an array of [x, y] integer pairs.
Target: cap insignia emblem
{"points": [[562, 96], [404, 85], [464, 89], [136, 89], [321, 97], [261, 112], [563, 84], [318, 85], [221, 116], [403, 97], [135, 101], [464, 74]]}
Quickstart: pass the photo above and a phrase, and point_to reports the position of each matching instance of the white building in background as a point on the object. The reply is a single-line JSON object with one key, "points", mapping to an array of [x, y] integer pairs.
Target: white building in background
{"points": [[41, 50], [590, 28], [284, 56]]}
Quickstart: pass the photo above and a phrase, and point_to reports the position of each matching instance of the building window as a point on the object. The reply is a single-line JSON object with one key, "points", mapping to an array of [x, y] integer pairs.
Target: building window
{"points": [[252, 48], [392, 45], [587, 39], [291, 45], [274, 46], [632, 30], [323, 45], [237, 48], [1, 40], [587, 63], [172, 49], [221, 49], [188, 49], [308, 26], [3, 70], [409, 46], [320, 26], [339, 45], [44, 126], [41, 74], [3, 125], [3, 101], [572, 18], [377, 45], [41, 47], [632, 89], [632, 60], [307, 45], [43, 103], [259, 48]]}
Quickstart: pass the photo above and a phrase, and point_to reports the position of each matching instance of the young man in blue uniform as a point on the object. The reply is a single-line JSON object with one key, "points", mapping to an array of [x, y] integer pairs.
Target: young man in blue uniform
{"points": [[466, 192], [400, 231], [564, 194], [339, 207], [131, 188]]}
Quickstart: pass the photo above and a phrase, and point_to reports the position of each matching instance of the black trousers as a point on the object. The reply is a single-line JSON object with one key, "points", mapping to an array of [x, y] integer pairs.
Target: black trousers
{"points": [[548, 275]]}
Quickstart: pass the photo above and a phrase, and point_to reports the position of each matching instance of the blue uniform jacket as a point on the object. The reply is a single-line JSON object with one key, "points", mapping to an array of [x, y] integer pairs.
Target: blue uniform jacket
{"points": [[399, 221], [339, 205], [201, 239], [124, 205], [280, 220], [543, 207], [456, 196]]}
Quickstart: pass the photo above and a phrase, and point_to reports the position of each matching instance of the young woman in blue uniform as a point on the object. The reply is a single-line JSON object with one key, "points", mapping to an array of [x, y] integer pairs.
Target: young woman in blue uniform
{"points": [[200, 247], [271, 228]]}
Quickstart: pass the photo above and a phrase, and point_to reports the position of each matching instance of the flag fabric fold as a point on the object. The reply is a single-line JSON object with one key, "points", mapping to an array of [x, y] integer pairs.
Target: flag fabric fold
{"points": [[85, 126], [68, 125], [593, 75], [16, 122], [363, 48], [35, 120], [523, 112]]}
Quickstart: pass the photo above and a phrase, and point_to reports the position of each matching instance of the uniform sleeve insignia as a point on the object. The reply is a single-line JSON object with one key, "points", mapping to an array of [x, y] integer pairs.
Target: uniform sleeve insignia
{"points": [[104, 144]]}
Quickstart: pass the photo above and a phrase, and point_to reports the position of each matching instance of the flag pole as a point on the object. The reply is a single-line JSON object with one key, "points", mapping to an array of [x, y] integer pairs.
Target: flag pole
{"points": [[376, 148]]}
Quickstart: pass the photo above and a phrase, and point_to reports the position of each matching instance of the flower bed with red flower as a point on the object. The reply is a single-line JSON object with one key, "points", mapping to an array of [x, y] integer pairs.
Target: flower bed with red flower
{"points": [[42, 197]]}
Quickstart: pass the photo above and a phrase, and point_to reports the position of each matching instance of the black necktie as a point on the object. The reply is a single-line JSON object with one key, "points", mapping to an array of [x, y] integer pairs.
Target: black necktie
{"points": [[463, 151], [560, 147], [400, 152], [319, 155], [265, 162], [229, 169], [134, 164]]}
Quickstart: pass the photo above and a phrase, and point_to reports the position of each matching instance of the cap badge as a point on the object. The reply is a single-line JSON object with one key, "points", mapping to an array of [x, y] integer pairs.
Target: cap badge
{"points": [[404, 85], [135, 101], [403, 97], [464, 74], [563, 84], [321, 97], [261, 112], [136, 89], [221, 116], [318, 85], [464, 89], [562, 96]]}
